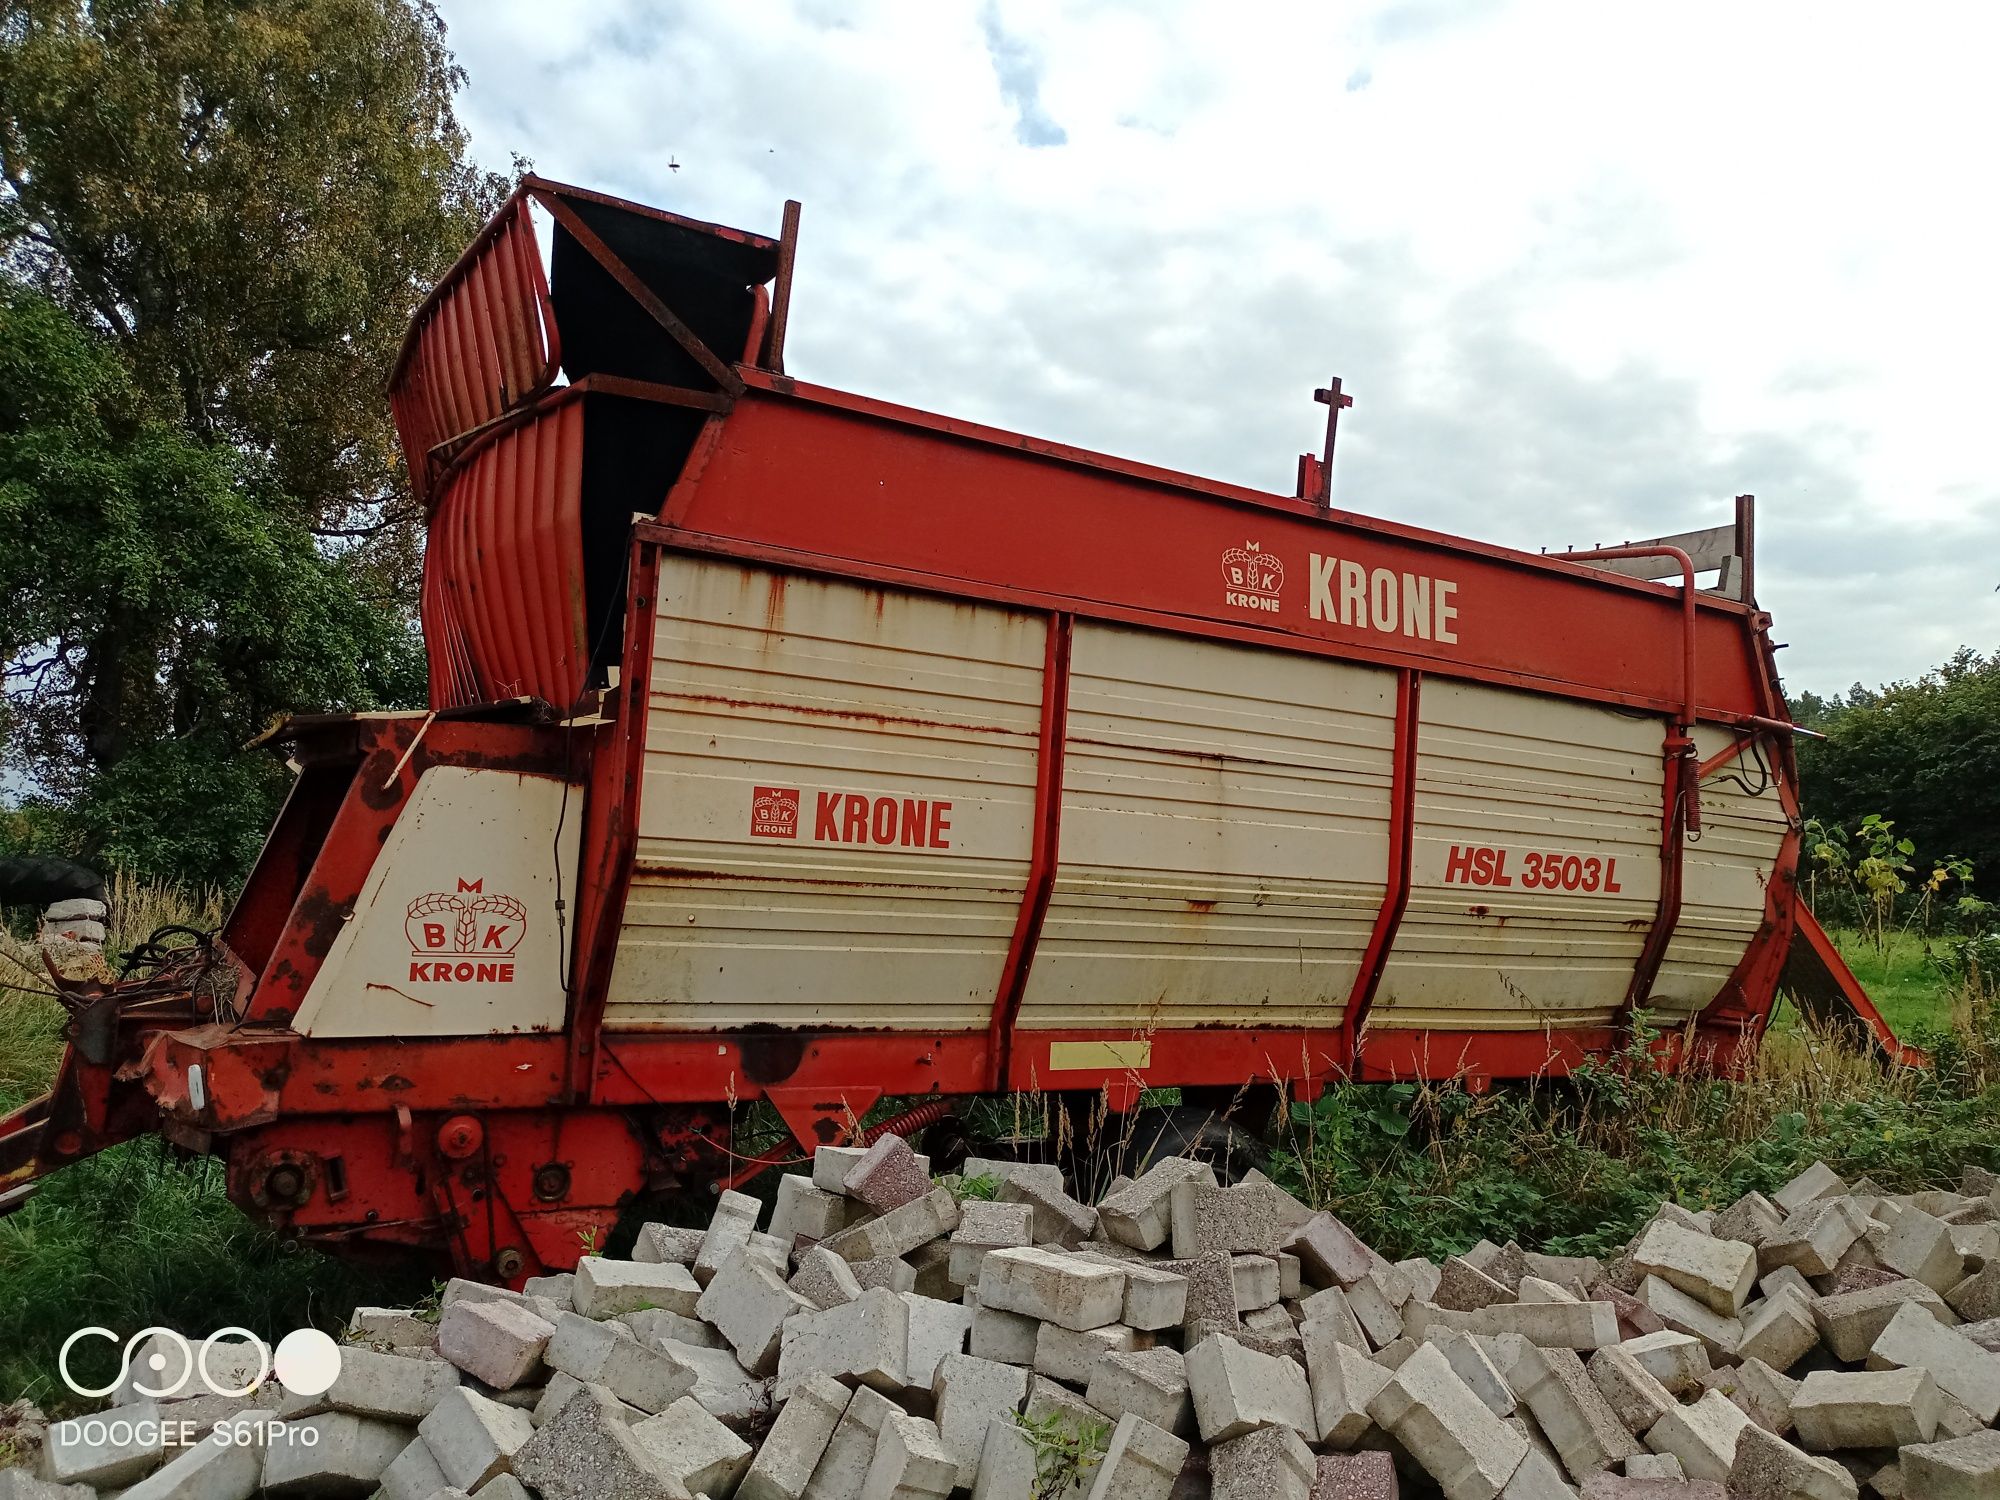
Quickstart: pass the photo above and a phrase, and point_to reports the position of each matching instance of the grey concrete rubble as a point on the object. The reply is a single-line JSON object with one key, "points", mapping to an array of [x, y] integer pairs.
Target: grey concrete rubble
{"points": [[884, 1338]]}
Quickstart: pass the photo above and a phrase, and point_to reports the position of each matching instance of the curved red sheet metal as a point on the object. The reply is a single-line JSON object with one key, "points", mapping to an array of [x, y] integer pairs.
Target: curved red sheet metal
{"points": [[484, 343], [503, 574]]}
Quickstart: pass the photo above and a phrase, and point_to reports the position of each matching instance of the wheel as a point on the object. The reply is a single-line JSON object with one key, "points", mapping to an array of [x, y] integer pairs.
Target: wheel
{"points": [[1224, 1142]]}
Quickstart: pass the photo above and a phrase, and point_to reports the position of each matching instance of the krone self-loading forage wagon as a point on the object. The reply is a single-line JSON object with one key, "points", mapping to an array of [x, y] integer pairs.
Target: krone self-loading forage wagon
{"points": [[786, 745]]}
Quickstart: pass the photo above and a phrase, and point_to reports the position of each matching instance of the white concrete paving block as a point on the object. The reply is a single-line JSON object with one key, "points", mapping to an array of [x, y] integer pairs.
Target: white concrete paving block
{"points": [[867, 1340], [1767, 1467], [747, 1303], [1142, 1462], [1579, 1423], [649, 1376], [345, 1455], [1850, 1322], [213, 1469], [1237, 1390], [1966, 1468], [393, 1387], [804, 1210], [983, 1227], [501, 1343], [1702, 1436], [1467, 1356], [605, 1288], [472, 1437], [1719, 1334], [899, 1231], [1553, 1325], [1630, 1388], [911, 1462], [669, 1243], [797, 1441], [413, 1474], [1836, 1409], [1141, 1215], [1148, 1383], [1052, 1287], [1440, 1423], [168, 1367], [108, 1449], [1540, 1477], [1782, 1332], [587, 1452], [1066, 1355], [1814, 1237], [1915, 1339], [729, 1230], [1003, 1336], [695, 1450], [1343, 1381], [1719, 1272], [1815, 1182], [850, 1452], [1920, 1247], [970, 1393], [937, 1328]]}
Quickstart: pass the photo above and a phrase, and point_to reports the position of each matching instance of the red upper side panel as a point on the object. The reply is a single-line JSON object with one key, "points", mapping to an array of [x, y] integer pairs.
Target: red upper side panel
{"points": [[820, 479], [503, 569], [483, 343]]}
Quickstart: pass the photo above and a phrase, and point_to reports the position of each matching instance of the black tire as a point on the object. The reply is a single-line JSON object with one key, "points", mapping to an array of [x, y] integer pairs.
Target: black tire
{"points": [[42, 880], [1225, 1143]]}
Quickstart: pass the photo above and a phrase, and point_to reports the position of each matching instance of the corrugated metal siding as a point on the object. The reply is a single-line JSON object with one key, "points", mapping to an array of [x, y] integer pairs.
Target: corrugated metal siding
{"points": [[484, 344], [769, 681], [503, 574], [1520, 772], [1224, 835], [1724, 876]]}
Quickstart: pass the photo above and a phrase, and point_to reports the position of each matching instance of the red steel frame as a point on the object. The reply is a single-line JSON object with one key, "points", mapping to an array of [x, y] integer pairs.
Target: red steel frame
{"points": [[471, 1137]]}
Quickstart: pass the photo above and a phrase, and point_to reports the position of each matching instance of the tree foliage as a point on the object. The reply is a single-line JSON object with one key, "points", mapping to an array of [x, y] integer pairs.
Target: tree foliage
{"points": [[1923, 754], [231, 612], [216, 217]]}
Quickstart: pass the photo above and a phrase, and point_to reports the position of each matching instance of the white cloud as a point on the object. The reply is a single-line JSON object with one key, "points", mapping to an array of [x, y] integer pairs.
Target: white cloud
{"points": [[1590, 270]]}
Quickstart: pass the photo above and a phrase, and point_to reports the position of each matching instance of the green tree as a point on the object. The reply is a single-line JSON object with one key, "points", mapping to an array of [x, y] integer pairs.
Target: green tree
{"points": [[1924, 755], [236, 611], [216, 217]]}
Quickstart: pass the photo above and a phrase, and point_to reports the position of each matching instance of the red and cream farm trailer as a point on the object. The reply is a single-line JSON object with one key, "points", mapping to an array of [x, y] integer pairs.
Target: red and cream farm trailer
{"points": [[786, 745]]}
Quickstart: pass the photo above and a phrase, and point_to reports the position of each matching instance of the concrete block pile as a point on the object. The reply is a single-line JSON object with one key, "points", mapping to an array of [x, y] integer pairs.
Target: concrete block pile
{"points": [[884, 1338]]}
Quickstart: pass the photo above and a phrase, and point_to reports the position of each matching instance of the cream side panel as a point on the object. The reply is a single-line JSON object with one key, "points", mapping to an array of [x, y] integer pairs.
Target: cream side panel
{"points": [[456, 931], [1224, 835], [1724, 876], [1524, 775], [815, 688]]}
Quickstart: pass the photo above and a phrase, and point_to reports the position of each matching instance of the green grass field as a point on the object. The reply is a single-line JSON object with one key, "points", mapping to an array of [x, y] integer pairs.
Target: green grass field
{"points": [[1901, 979]]}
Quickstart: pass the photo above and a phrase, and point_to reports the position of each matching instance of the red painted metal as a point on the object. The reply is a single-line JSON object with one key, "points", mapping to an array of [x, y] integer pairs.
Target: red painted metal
{"points": [[781, 289], [504, 572], [1396, 887], [1044, 854], [484, 341], [834, 486], [1827, 988]]}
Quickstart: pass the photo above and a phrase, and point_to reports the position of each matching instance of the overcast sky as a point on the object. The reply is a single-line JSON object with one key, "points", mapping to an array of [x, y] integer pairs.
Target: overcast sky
{"points": [[1589, 270]]}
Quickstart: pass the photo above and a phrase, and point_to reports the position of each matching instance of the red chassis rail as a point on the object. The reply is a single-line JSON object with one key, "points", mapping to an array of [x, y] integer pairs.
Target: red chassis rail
{"points": [[506, 1149]]}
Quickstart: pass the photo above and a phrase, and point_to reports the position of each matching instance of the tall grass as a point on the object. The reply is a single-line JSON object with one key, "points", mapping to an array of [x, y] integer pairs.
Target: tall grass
{"points": [[1577, 1165]]}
